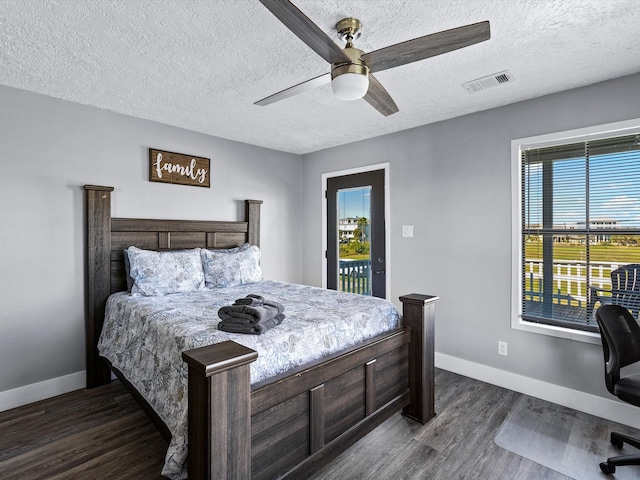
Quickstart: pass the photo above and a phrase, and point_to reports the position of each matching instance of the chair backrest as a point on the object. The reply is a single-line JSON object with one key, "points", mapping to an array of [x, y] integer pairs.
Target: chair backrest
{"points": [[620, 334], [625, 287], [626, 278]]}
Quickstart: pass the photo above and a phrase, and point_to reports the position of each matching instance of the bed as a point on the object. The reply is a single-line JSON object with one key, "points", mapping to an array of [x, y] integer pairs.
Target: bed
{"points": [[286, 425]]}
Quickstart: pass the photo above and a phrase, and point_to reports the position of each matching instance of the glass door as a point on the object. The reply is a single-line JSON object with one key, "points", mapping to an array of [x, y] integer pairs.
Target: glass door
{"points": [[356, 234]]}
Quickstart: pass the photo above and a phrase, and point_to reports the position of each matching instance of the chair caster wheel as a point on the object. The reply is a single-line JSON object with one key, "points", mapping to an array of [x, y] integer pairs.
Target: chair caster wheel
{"points": [[607, 469], [617, 443]]}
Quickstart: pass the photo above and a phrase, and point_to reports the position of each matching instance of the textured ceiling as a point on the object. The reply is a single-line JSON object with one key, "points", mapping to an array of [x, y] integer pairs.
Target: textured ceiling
{"points": [[201, 65]]}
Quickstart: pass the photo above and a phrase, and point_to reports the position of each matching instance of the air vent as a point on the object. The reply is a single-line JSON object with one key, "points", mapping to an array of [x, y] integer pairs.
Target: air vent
{"points": [[489, 81]]}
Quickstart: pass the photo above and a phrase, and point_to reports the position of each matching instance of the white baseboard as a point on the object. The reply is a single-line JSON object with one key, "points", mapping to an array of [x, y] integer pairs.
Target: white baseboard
{"points": [[610, 409], [39, 391]]}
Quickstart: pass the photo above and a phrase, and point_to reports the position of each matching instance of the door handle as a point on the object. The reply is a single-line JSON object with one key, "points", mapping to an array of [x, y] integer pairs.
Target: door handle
{"points": [[379, 272]]}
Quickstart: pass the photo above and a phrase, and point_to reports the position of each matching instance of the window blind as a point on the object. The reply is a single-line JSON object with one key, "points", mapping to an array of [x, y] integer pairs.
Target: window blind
{"points": [[580, 220]]}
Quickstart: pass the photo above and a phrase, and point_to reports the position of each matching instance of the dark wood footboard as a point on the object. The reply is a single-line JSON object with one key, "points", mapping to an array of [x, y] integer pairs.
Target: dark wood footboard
{"points": [[301, 421]]}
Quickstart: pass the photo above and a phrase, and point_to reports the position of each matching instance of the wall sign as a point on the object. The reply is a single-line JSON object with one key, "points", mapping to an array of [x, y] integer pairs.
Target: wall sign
{"points": [[170, 167]]}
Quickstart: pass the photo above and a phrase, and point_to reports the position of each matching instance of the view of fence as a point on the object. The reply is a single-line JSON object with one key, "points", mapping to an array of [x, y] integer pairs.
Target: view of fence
{"points": [[355, 276], [569, 280]]}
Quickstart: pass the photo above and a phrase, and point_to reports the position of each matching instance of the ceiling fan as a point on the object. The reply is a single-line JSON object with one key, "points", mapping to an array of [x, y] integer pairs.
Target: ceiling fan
{"points": [[352, 69]]}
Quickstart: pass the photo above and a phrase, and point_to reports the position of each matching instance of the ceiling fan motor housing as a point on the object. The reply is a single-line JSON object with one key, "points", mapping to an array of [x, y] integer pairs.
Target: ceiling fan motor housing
{"points": [[355, 66], [349, 30]]}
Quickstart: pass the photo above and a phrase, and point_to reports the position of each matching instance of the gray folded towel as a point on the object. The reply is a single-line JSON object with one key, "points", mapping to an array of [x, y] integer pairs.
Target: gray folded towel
{"points": [[258, 328], [253, 314]]}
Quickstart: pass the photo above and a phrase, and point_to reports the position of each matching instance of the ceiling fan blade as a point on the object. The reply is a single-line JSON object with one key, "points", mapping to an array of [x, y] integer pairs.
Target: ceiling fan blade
{"points": [[427, 46], [306, 30], [316, 82], [379, 98]]}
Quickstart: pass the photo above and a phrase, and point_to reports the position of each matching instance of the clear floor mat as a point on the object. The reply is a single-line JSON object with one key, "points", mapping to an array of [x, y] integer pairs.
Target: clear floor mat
{"points": [[562, 439]]}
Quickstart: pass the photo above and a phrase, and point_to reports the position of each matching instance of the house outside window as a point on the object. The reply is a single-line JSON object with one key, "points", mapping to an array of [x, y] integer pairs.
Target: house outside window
{"points": [[578, 219]]}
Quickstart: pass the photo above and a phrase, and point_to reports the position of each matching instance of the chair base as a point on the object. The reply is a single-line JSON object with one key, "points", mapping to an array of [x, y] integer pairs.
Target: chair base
{"points": [[618, 439]]}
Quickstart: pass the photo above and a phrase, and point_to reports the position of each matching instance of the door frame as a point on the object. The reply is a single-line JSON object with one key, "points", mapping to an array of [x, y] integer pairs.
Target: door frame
{"points": [[387, 216]]}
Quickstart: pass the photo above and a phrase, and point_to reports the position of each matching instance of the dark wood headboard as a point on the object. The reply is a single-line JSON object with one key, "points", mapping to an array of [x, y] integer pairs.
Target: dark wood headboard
{"points": [[107, 238]]}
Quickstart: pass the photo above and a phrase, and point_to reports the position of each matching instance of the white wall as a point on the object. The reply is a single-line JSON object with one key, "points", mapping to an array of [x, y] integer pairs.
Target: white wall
{"points": [[48, 150], [451, 180]]}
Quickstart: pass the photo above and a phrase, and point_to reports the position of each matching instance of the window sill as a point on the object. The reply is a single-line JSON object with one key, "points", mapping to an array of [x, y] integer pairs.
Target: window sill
{"points": [[553, 331]]}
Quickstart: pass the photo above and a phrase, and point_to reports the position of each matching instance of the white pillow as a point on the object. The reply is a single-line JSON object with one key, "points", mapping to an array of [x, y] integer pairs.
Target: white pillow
{"points": [[231, 268], [161, 273]]}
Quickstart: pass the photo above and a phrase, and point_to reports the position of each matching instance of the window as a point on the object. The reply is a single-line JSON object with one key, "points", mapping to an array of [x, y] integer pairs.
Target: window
{"points": [[579, 218]]}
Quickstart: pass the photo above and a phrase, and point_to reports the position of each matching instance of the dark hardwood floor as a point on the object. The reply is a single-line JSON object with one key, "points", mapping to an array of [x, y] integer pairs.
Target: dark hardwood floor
{"points": [[87, 434], [102, 434]]}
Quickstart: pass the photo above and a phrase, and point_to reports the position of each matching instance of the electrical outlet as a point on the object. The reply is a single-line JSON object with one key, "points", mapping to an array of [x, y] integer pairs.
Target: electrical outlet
{"points": [[502, 348]]}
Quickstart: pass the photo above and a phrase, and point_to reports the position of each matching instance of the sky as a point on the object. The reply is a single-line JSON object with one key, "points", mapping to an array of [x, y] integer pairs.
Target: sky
{"points": [[614, 185], [354, 202]]}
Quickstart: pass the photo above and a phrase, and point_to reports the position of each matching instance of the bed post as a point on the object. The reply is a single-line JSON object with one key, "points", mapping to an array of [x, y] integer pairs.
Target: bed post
{"points": [[98, 258], [418, 313], [219, 411], [252, 217]]}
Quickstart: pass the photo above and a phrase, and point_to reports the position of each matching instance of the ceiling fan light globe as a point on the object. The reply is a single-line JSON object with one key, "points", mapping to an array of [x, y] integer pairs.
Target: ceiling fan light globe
{"points": [[350, 86]]}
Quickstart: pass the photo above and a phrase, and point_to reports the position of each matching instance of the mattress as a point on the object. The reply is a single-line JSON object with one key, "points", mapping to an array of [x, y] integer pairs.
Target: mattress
{"points": [[144, 337]]}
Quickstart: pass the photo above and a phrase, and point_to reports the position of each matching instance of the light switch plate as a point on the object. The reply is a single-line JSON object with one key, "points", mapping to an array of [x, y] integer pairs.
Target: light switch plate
{"points": [[407, 230]]}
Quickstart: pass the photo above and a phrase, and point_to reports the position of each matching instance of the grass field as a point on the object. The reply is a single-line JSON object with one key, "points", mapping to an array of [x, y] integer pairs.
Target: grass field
{"points": [[597, 253]]}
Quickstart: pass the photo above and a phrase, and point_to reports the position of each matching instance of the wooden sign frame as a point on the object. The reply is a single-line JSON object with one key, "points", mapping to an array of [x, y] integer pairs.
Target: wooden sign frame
{"points": [[178, 168]]}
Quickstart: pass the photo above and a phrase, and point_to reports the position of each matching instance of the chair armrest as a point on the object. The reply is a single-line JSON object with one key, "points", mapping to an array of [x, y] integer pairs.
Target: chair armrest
{"points": [[596, 294], [627, 298]]}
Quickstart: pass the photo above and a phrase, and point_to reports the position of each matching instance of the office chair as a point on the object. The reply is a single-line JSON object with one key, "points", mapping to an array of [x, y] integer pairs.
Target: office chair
{"points": [[621, 345]]}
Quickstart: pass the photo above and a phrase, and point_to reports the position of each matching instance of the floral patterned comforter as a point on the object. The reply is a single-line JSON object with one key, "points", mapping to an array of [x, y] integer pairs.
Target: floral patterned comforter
{"points": [[144, 337]]}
